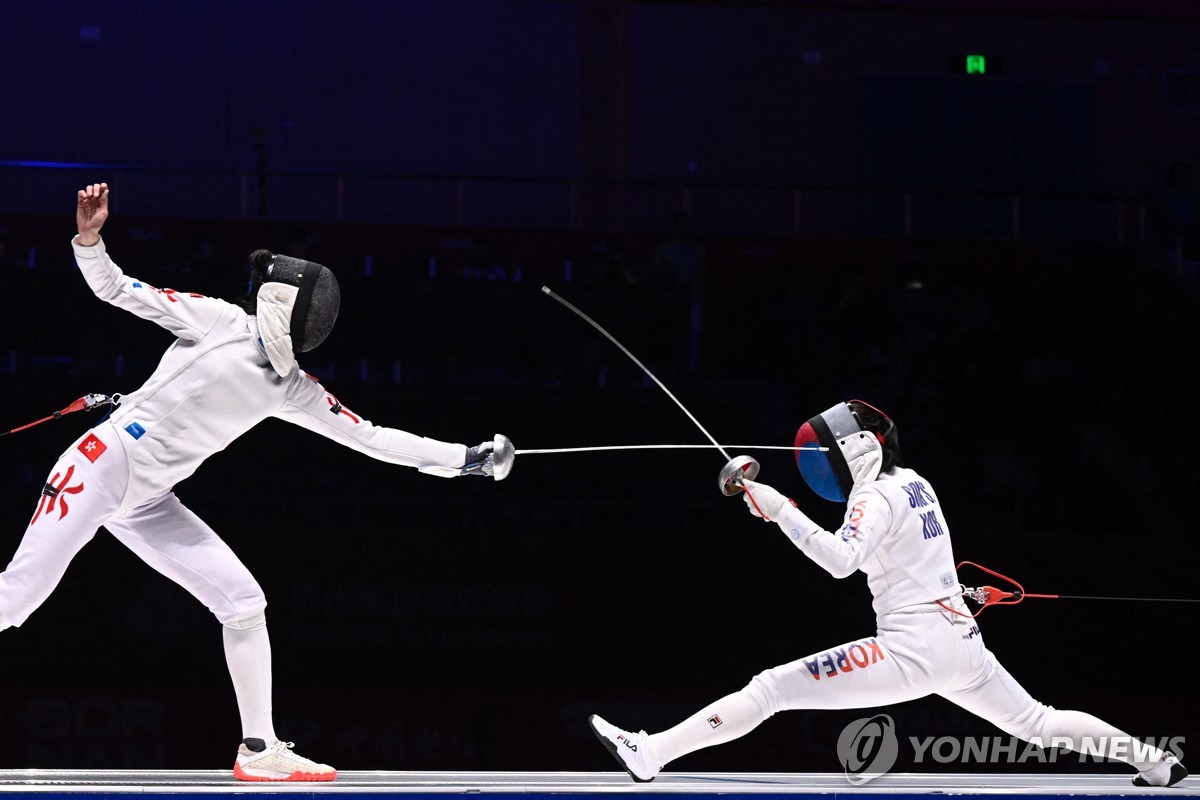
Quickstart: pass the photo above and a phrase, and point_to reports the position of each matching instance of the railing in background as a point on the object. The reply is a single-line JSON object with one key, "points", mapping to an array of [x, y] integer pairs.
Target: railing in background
{"points": [[555, 203]]}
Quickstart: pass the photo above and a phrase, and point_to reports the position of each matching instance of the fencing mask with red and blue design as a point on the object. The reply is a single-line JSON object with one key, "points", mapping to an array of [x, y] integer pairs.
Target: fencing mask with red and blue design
{"points": [[821, 451]]}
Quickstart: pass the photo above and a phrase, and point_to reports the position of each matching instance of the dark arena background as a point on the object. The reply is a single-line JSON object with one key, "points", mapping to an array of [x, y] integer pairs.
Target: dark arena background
{"points": [[978, 215]]}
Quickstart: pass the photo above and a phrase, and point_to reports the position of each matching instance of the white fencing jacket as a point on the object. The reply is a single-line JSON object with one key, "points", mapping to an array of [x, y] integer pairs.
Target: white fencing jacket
{"points": [[894, 532], [215, 383]]}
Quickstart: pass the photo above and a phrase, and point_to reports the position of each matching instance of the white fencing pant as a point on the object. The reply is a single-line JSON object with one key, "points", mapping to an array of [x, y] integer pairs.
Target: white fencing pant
{"points": [[84, 492], [917, 652]]}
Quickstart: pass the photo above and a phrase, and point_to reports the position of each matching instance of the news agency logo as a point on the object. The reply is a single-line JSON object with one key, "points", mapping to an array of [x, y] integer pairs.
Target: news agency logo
{"points": [[1009, 750], [868, 748]]}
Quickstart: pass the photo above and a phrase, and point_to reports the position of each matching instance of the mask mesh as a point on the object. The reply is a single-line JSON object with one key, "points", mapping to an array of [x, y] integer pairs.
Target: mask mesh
{"points": [[322, 310], [326, 297]]}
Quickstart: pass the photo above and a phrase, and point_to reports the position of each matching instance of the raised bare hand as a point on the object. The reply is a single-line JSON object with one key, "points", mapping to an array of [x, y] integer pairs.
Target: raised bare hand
{"points": [[91, 212]]}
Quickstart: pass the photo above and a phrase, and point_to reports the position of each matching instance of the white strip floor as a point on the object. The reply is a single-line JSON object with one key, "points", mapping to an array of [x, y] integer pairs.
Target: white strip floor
{"points": [[581, 783]]}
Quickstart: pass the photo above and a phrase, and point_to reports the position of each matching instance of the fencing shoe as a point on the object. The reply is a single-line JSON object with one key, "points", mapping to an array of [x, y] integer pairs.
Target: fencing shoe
{"points": [[257, 761], [1167, 772], [628, 748]]}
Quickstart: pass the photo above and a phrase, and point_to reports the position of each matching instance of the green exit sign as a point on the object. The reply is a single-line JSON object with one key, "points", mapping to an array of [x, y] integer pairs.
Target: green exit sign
{"points": [[989, 65]]}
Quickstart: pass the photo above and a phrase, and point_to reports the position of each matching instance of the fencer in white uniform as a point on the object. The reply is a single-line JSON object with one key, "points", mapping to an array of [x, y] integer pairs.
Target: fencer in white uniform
{"points": [[227, 371], [926, 641]]}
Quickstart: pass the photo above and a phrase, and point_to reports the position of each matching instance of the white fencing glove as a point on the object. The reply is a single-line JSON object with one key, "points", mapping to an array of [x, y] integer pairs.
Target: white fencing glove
{"points": [[764, 501], [864, 455], [778, 509]]}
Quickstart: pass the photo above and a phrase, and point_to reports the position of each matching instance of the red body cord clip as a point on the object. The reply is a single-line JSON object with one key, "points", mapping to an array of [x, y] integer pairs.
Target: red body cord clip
{"points": [[85, 403], [990, 595]]}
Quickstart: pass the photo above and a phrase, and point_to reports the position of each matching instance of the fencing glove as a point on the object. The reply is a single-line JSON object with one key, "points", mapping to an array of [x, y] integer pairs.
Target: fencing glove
{"points": [[780, 510], [479, 460]]}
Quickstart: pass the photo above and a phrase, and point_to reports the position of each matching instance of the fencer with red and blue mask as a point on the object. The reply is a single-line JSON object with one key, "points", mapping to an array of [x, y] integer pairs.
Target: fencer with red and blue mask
{"points": [[826, 447], [925, 643]]}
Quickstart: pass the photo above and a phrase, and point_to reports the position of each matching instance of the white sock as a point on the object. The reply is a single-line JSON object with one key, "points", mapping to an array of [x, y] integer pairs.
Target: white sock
{"points": [[729, 718], [1084, 733], [248, 654], [4, 623]]}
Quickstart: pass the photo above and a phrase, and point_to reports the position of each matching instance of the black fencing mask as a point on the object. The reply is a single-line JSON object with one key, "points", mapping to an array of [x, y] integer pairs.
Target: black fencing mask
{"points": [[297, 305]]}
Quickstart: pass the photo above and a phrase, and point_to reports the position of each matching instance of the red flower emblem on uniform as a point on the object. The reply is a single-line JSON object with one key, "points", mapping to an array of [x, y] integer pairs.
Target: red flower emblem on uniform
{"points": [[92, 447]]}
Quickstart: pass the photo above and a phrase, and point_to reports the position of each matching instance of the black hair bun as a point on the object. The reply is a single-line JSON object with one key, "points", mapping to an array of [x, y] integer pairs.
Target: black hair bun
{"points": [[261, 259]]}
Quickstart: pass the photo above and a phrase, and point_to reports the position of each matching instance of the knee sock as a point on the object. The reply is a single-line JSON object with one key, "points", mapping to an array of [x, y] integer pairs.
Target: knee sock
{"points": [[4, 623], [727, 719], [248, 654]]}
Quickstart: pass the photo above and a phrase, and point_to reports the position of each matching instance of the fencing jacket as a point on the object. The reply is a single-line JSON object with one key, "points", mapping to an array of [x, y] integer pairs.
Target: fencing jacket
{"points": [[215, 382], [894, 532]]}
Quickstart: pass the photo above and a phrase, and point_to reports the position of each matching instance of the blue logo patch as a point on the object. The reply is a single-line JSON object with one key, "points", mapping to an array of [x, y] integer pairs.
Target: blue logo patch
{"points": [[135, 430], [137, 285]]}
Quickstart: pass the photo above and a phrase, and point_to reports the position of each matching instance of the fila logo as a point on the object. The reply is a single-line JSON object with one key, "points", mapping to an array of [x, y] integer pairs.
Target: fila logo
{"points": [[714, 721], [628, 743]]}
